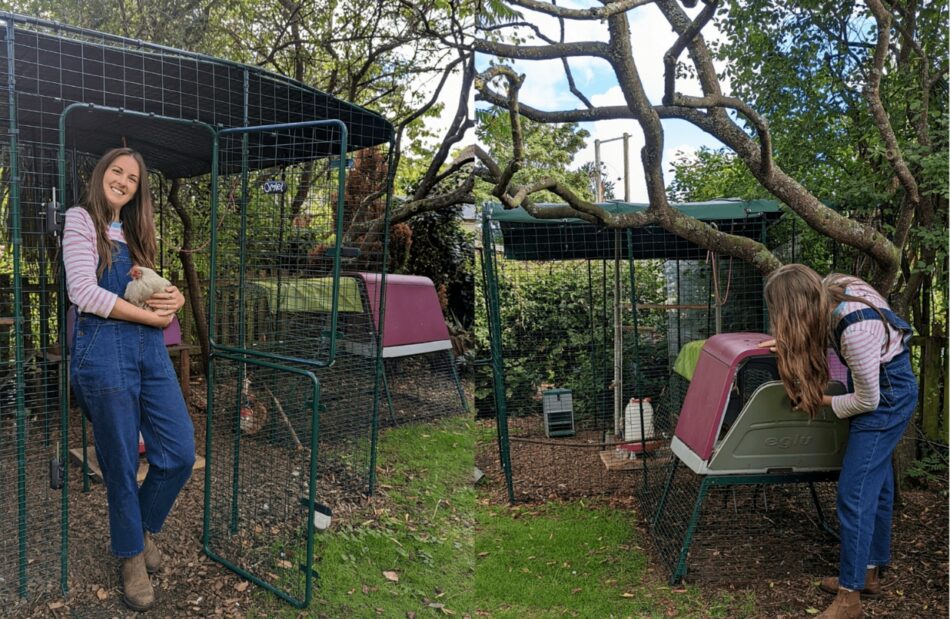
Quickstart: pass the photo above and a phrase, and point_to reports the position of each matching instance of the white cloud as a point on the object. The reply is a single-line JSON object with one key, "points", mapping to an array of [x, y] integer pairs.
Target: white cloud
{"points": [[682, 151]]}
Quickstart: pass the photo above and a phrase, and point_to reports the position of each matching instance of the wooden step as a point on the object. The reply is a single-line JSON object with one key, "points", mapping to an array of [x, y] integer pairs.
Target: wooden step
{"points": [[96, 472], [615, 460]]}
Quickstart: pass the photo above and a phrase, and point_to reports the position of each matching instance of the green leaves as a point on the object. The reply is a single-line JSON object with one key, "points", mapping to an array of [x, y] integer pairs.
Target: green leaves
{"points": [[549, 150]]}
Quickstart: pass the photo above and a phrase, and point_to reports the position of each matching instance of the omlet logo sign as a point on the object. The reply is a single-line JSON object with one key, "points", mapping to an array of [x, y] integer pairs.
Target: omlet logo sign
{"points": [[274, 186], [784, 442]]}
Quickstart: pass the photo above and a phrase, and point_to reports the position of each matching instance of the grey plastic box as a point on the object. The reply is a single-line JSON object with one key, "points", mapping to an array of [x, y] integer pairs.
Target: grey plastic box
{"points": [[558, 407]]}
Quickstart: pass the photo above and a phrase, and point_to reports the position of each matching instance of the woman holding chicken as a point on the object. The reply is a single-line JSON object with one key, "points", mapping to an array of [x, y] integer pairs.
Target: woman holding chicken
{"points": [[120, 371]]}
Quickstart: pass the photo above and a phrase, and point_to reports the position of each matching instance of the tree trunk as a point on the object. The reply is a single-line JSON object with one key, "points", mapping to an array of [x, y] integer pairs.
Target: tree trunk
{"points": [[195, 296]]}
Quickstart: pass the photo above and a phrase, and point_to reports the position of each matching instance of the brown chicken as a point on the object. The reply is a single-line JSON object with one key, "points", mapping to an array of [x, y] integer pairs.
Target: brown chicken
{"points": [[253, 411], [145, 282]]}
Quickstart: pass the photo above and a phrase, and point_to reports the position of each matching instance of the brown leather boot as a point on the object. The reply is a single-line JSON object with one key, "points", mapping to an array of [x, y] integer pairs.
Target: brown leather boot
{"points": [[153, 556], [847, 605], [137, 590], [872, 584]]}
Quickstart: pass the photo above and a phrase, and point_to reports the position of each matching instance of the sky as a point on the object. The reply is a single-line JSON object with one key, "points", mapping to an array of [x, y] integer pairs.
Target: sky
{"points": [[545, 87]]}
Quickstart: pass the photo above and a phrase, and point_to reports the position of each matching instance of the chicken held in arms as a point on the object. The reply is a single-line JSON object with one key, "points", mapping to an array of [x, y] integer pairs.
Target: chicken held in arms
{"points": [[145, 282]]}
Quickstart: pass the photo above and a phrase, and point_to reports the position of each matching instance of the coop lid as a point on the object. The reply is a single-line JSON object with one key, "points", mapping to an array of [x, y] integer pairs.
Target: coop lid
{"points": [[527, 238], [82, 66], [708, 393], [557, 392], [413, 314], [313, 294]]}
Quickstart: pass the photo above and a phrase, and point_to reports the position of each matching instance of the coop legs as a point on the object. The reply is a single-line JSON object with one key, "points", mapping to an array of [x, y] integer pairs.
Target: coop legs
{"points": [[680, 569], [661, 504], [822, 522], [389, 398]]}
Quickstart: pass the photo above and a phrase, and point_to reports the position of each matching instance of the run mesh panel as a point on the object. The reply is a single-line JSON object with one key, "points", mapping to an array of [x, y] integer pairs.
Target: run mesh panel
{"points": [[260, 460], [421, 388], [558, 332], [738, 527], [31, 513]]}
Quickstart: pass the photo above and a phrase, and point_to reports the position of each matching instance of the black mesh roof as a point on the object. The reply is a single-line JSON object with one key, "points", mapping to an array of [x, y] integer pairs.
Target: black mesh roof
{"points": [[54, 70], [527, 238]]}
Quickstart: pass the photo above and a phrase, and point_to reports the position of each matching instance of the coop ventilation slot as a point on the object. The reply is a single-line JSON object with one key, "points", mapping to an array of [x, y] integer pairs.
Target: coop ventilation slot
{"points": [[558, 407]]}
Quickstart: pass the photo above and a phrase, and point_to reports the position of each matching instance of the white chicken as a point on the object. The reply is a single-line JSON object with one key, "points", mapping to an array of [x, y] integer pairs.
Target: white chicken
{"points": [[145, 282]]}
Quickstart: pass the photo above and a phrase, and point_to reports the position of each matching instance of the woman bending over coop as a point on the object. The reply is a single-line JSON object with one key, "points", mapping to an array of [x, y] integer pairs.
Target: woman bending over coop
{"points": [[120, 371], [806, 313]]}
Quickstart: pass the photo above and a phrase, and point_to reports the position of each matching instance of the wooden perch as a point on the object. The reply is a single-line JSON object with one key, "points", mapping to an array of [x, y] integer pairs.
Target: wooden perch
{"points": [[283, 415]]}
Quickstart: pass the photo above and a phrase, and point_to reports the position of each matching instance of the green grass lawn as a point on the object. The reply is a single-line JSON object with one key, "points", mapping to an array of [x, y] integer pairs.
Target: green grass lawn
{"points": [[422, 532], [412, 551], [575, 559]]}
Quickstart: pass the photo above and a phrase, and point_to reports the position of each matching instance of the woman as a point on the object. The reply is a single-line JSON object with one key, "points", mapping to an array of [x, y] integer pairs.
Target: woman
{"points": [[806, 313], [120, 371]]}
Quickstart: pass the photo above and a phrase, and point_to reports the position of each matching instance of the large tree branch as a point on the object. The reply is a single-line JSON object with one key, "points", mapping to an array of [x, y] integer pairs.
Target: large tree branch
{"points": [[460, 195], [554, 51], [921, 125], [185, 254], [628, 76], [517, 137], [599, 12], [785, 188], [672, 55], [713, 98], [607, 112], [872, 91], [823, 219], [718, 101], [416, 114], [659, 212], [461, 123], [567, 69]]}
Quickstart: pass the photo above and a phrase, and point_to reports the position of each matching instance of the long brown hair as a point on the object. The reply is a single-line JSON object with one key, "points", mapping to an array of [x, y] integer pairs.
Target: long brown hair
{"points": [[137, 216], [800, 312]]}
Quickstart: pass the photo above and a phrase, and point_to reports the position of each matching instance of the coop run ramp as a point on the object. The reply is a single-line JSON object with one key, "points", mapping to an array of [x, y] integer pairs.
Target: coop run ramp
{"points": [[284, 181], [738, 428]]}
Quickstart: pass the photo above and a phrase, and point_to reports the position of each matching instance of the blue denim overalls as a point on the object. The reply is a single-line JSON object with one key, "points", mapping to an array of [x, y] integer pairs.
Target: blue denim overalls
{"points": [[866, 483], [125, 383]]}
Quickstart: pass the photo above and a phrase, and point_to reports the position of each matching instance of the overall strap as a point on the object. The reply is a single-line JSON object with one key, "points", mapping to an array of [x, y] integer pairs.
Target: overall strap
{"points": [[867, 313]]}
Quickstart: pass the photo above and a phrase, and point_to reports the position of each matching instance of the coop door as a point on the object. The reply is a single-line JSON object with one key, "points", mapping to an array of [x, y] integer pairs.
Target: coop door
{"points": [[276, 240], [274, 295], [261, 505]]}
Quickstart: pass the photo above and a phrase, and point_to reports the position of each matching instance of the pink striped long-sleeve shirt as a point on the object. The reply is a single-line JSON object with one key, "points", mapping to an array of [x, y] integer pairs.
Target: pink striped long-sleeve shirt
{"points": [[80, 258], [864, 346]]}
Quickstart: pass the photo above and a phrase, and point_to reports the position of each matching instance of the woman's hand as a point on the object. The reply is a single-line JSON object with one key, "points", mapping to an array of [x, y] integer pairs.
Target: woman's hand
{"points": [[162, 320], [770, 344], [166, 303]]}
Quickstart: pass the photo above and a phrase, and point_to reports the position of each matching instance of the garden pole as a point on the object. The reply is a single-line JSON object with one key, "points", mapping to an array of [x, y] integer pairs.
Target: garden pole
{"points": [[618, 342], [18, 321]]}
